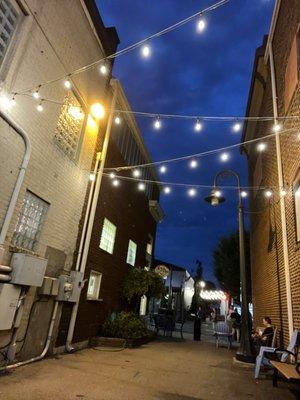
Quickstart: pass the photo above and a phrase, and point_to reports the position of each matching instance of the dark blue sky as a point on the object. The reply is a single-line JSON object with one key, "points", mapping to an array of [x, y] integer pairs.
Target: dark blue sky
{"points": [[195, 74]]}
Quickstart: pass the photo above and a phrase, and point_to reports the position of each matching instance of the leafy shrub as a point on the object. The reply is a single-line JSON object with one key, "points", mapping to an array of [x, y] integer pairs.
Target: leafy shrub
{"points": [[126, 325]]}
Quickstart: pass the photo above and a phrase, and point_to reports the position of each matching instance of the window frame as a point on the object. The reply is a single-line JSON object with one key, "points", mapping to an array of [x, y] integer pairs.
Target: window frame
{"points": [[129, 249], [96, 294], [106, 220]]}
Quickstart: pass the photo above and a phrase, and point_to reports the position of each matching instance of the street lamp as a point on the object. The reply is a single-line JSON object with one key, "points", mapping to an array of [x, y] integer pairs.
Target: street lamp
{"points": [[215, 198]]}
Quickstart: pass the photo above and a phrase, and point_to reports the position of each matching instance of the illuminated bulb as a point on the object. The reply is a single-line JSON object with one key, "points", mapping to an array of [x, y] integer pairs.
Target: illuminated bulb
{"points": [[39, 107], [261, 146], [103, 69], [141, 186], [97, 110], [4, 102], [92, 177], [36, 94], [112, 175], [13, 101], [116, 182], [224, 156], [192, 192], [237, 126], [198, 126], [268, 193], [117, 120], [157, 123], [283, 192], [68, 84], [244, 193], [201, 25], [167, 190], [146, 51], [217, 193], [136, 173], [163, 169], [193, 164], [276, 127]]}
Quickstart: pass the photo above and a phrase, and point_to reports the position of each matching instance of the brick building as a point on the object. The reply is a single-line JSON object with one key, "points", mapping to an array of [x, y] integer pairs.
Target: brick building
{"points": [[269, 269], [123, 232], [40, 41]]}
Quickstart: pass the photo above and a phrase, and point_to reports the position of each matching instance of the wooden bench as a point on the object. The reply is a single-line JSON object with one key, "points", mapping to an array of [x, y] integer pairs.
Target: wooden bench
{"points": [[289, 371]]}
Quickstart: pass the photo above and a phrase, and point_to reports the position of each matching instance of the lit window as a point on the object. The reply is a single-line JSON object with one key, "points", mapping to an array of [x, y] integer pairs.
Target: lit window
{"points": [[10, 15], [131, 253], [94, 285], [69, 126], [108, 236], [149, 246], [297, 210], [30, 222]]}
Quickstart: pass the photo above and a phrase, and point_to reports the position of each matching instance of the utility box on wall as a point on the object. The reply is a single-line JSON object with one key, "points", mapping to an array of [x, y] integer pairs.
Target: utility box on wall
{"points": [[9, 297], [27, 270]]}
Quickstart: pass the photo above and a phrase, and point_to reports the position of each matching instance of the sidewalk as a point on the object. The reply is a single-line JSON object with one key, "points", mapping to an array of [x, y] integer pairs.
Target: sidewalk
{"points": [[166, 369]]}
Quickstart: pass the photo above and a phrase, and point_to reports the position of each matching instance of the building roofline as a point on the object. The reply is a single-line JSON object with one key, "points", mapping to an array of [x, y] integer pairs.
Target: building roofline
{"points": [[272, 29]]}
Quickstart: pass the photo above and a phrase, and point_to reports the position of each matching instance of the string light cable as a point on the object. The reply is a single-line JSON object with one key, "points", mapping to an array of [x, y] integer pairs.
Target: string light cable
{"points": [[126, 49]]}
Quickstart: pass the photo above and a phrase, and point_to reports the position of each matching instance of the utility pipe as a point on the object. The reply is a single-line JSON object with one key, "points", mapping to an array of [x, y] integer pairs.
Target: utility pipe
{"points": [[16, 191], [46, 348], [91, 217], [282, 200]]}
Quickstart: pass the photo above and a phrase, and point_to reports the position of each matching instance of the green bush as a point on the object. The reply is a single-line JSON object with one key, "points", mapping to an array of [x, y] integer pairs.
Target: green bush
{"points": [[126, 325]]}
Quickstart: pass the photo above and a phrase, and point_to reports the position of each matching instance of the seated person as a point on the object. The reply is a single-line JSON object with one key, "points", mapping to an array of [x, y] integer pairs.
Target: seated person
{"points": [[264, 337]]}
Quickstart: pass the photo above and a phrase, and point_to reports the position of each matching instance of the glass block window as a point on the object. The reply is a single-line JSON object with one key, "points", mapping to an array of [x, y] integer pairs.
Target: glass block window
{"points": [[94, 285], [108, 236], [30, 222], [69, 126], [131, 253], [9, 18]]}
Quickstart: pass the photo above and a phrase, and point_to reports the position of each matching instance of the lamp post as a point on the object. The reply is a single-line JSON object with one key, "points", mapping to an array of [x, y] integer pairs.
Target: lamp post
{"points": [[215, 198]]}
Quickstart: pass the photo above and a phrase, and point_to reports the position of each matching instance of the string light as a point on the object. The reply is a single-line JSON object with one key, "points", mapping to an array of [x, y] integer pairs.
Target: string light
{"points": [[67, 84], [141, 186], [97, 111], [146, 51], [237, 126], [192, 192], [136, 173], [217, 193], [283, 192], [193, 164], [116, 182], [163, 169], [103, 69], [224, 157], [268, 193], [276, 127], [40, 107], [201, 24], [36, 94], [167, 190], [157, 123], [117, 120], [92, 177], [13, 101], [244, 193], [112, 175], [198, 126], [261, 146]]}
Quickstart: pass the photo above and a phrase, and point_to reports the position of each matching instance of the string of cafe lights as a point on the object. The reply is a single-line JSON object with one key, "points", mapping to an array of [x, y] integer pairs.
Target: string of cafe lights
{"points": [[104, 63]]}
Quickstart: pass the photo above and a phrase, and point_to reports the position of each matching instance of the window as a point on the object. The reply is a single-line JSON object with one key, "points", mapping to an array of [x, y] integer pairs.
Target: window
{"points": [[30, 222], [94, 285], [131, 253], [297, 210], [108, 236], [69, 126], [292, 70], [9, 18]]}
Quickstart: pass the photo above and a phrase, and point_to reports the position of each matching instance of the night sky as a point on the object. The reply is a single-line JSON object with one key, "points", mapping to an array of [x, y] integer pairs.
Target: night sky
{"points": [[194, 74]]}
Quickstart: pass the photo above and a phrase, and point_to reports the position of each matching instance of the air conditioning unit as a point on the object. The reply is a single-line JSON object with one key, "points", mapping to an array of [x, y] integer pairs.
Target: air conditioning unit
{"points": [[27, 270], [156, 210]]}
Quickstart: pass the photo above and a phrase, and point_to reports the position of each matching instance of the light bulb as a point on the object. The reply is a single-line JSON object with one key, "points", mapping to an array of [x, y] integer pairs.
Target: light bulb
{"points": [[146, 51], [36, 94], [198, 126], [141, 186], [261, 146], [67, 84], [103, 69], [112, 175], [201, 25], [217, 193], [116, 182], [193, 163], [224, 157], [163, 169], [157, 123], [268, 193], [97, 110], [136, 173], [167, 190], [244, 193], [283, 192], [12, 102], [276, 127], [117, 120], [236, 127], [192, 192], [92, 177], [39, 107]]}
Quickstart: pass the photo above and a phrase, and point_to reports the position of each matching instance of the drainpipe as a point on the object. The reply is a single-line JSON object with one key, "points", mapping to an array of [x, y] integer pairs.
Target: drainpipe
{"points": [[46, 348], [282, 200], [16, 191], [92, 213]]}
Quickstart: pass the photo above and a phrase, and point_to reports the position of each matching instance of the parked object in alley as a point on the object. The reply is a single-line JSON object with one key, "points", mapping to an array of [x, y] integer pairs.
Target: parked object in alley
{"points": [[223, 332]]}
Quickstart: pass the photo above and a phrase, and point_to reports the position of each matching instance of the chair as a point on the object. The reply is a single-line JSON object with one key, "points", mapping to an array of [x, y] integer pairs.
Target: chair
{"points": [[284, 353], [223, 330]]}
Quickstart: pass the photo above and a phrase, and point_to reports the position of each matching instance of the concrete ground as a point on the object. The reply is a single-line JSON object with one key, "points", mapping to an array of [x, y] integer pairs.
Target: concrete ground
{"points": [[166, 369]]}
